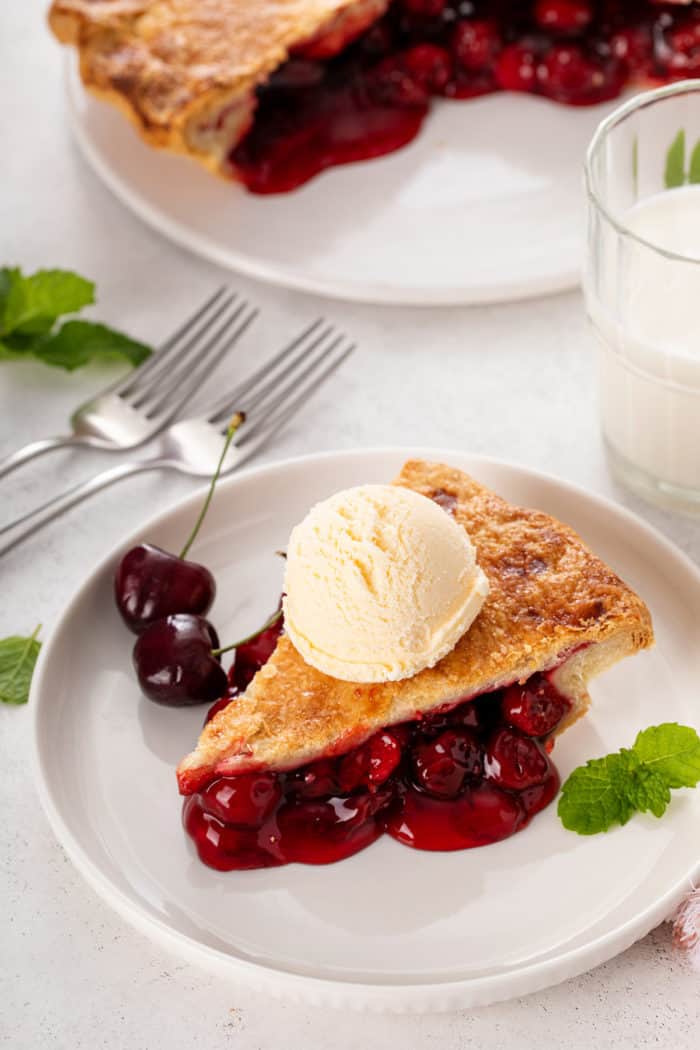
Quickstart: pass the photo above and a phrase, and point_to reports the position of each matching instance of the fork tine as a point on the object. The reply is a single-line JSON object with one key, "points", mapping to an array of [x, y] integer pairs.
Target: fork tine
{"points": [[163, 351], [244, 316], [232, 402], [192, 348], [271, 400], [188, 375], [250, 444]]}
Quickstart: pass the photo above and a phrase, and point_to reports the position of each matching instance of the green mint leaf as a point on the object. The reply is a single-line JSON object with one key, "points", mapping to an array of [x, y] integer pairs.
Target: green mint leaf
{"points": [[674, 174], [694, 169], [648, 791], [17, 659], [31, 305], [596, 795], [77, 343], [672, 751], [609, 790]]}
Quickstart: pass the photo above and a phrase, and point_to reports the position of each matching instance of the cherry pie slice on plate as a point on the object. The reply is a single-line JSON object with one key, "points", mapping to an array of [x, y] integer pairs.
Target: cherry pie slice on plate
{"points": [[305, 767], [391, 927], [273, 91]]}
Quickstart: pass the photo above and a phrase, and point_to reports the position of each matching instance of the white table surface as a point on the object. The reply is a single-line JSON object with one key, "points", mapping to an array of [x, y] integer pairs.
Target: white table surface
{"points": [[515, 382]]}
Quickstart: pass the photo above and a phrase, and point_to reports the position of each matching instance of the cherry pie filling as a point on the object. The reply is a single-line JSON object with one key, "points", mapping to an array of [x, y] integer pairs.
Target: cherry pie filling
{"points": [[371, 99], [464, 776]]}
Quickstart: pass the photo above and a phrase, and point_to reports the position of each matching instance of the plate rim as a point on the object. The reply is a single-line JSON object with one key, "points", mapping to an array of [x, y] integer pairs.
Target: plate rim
{"points": [[401, 997], [376, 293]]}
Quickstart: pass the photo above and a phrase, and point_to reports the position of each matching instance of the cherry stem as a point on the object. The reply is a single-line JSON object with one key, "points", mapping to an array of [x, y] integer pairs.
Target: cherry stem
{"points": [[249, 637], [235, 423]]}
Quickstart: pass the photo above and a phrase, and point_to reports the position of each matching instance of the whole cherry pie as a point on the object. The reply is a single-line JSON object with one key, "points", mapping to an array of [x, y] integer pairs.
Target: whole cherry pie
{"points": [[270, 92], [295, 765]]}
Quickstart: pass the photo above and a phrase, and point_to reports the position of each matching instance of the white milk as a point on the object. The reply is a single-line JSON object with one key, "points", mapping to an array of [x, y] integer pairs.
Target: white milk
{"points": [[648, 315]]}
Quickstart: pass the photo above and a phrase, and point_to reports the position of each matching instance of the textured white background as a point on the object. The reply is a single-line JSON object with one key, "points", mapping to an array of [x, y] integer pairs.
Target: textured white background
{"points": [[515, 382]]}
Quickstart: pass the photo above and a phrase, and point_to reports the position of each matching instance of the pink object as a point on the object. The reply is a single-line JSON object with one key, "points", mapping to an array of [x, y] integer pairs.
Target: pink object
{"points": [[686, 927]]}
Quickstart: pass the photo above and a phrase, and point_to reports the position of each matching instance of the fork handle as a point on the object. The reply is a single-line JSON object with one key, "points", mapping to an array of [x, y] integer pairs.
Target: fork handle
{"points": [[33, 449], [27, 524]]}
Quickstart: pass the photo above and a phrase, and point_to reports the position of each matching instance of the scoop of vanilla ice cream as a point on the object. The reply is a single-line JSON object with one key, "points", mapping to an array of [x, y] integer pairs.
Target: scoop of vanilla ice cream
{"points": [[380, 583]]}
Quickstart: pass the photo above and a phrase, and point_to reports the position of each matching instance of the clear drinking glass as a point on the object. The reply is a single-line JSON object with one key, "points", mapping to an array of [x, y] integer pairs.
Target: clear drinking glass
{"points": [[642, 288]]}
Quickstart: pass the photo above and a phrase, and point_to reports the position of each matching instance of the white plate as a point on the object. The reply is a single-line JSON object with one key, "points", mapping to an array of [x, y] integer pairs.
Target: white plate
{"points": [[391, 928], [486, 205]]}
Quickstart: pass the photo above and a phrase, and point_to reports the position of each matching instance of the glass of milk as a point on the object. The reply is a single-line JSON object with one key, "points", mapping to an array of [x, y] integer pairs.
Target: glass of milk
{"points": [[642, 287]]}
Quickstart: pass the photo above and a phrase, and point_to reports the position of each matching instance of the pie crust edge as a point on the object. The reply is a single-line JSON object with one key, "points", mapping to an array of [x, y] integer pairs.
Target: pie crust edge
{"points": [[553, 606]]}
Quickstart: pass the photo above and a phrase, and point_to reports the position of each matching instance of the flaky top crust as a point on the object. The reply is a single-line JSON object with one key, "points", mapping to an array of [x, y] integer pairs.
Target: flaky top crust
{"points": [[549, 596], [167, 62]]}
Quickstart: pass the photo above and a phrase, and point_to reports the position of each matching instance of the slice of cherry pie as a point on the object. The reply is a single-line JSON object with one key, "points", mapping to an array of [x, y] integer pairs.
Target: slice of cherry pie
{"points": [[305, 767], [273, 91]]}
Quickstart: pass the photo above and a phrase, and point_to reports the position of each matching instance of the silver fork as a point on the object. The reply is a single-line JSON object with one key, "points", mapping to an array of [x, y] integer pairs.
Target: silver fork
{"points": [[269, 397], [136, 408]]}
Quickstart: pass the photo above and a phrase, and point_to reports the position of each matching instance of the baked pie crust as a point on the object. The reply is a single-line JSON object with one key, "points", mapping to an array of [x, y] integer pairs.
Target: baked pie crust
{"points": [[185, 71], [553, 606]]}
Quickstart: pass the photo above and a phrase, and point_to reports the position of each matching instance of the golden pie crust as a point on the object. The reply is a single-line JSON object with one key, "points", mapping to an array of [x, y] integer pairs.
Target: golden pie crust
{"points": [[552, 605], [185, 71]]}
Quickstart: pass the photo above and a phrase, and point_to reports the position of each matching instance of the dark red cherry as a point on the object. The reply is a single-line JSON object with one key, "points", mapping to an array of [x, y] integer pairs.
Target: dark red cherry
{"points": [[393, 83], [634, 46], [515, 761], [483, 813], [568, 75], [246, 800], [370, 764], [253, 654], [516, 68], [443, 766], [475, 44], [535, 708], [684, 43], [174, 661], [318, 832], [469, 714], [429, 65], [563, 16], [223, 846], [150, 583], [317, 780]]}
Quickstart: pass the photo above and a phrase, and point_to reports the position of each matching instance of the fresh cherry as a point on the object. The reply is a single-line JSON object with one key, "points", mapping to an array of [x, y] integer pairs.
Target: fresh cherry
{"points": [[150, 583], [443, 766], [536, 707], [515, 761], [175, 663]]}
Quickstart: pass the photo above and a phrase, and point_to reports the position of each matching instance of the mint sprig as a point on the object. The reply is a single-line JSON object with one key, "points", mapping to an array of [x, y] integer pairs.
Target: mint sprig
{"points": [[17, 659], [30, 307], [608, 791]]}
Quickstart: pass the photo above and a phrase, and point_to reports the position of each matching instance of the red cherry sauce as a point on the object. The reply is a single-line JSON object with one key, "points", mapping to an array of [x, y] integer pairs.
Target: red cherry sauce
{"points": [[372, 97], [456, 779]]}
